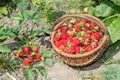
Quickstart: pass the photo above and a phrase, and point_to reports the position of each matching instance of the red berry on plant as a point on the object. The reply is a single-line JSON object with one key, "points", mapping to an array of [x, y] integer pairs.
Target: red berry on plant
{"points": [[31, 59], [16, 53], [26, 50], [36, 49], [38, 57], [21, 55], [26, 62]]}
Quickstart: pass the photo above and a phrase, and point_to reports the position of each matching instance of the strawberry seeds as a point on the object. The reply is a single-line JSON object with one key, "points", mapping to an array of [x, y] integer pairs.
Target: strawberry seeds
{"points": [[77, 36]]}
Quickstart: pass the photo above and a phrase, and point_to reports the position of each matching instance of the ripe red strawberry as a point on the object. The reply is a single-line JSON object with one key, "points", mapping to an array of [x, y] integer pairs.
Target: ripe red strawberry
{"points": [[56, 37], [92, 25], [70, 38], [97, 35], [85, 21], [88, 32], [63, 42], [71, 50], [86, 28], [57, 44], [71, 28], [63, 35], [21, 55], [77, 49], [59, 27], [94, 44], [36, 49], [76, 22], [31, 59], [75, 42], [89, 48], [26, 62], [78, 29], [64, 29], [26, 50], [38, 57]]}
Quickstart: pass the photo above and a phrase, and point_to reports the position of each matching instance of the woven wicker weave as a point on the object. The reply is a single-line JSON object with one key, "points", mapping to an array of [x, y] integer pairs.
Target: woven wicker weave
{"points": [[89, 57]]}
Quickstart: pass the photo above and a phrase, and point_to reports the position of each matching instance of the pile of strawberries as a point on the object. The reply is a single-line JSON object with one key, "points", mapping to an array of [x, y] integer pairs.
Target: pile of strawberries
{"points": [[77, 36], [28, 55]]}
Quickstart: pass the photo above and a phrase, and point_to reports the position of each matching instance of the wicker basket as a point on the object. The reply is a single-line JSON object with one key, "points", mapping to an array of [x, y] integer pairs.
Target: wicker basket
{"points": [[89, 57]]}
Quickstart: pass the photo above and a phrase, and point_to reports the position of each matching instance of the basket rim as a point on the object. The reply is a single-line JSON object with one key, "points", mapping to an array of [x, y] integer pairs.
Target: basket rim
{"points": [[105, 36]]}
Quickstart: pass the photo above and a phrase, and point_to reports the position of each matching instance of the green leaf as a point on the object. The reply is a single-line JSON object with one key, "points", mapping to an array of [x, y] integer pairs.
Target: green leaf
{"points": [[36, 17], [3, 37], [48, 62], [4, 49], [47, 53], [41, 70], [22, 4], [113, 26], [103, 10], [117, 2], [17, 16], [3, 10], [29, 74]]}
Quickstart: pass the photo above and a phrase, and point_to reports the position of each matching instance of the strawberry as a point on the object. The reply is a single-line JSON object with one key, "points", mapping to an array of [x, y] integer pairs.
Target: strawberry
{"points": [[57, 44], [21, 55], [38, 57], [63, 42], [76, 22], [97, 35], [36, 49], [85, 21], [94, 44], [89, 48], [26, 62], [71, 28], [56, 37], [88, 32], [59, 27], [64, 29], [63, 35], [87, 39], [26, 50], [61, 47], [77, 49], [78, 29], [16, 53], [92, 25], [31, 59], [71, 50], [75, 42]]}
